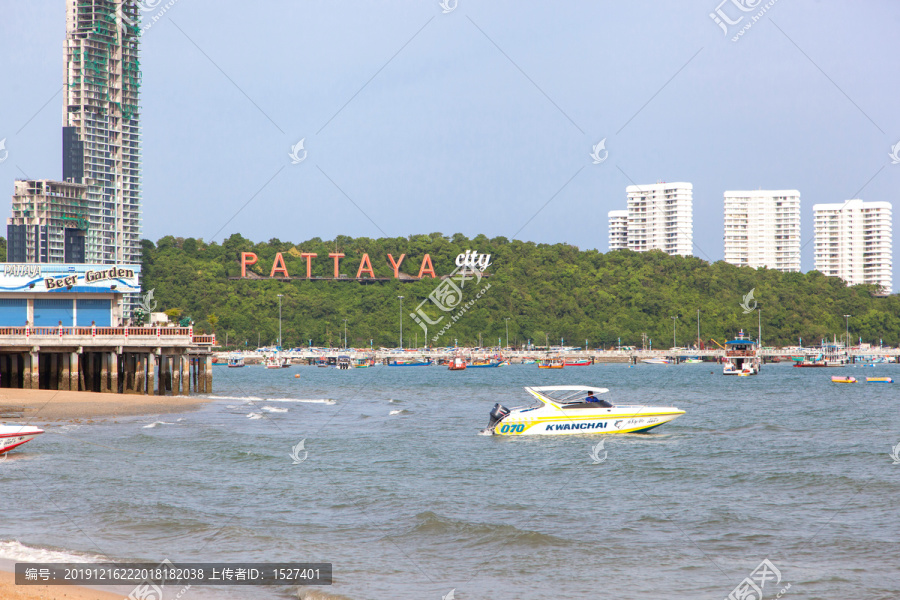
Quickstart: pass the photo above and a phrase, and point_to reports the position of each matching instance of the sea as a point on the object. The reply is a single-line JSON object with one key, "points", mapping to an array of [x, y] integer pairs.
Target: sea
{"points": [[784, 481]]}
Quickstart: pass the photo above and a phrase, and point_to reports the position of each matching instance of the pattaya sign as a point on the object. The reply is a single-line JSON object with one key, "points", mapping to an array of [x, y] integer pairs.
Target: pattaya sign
{"points": [[470, 259]]}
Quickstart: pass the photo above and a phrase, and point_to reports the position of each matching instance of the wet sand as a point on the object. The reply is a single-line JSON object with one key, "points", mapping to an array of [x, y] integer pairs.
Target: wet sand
{"points": [[10, 591], [33, 407]]}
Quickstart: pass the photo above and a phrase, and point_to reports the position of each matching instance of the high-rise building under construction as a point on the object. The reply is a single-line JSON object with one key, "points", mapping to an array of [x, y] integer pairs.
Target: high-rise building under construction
{"points": [[101, 143]]}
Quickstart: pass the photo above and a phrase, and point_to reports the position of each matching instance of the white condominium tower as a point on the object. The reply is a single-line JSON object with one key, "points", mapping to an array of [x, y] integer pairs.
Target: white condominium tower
{"points": [[660, 217], [854, 242], [618, 230], [762, 229], [101, 123]]}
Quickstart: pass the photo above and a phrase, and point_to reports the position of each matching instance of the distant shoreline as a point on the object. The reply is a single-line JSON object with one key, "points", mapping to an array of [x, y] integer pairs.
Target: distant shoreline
{"points": [[47, 406]]}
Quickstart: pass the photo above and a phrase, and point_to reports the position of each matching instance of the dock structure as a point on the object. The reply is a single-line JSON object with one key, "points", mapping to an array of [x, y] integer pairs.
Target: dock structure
{"points": [[125, 360]]}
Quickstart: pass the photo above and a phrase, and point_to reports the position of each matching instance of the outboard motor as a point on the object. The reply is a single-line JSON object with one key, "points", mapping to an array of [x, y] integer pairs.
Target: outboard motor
{"points": [[498, 413]]}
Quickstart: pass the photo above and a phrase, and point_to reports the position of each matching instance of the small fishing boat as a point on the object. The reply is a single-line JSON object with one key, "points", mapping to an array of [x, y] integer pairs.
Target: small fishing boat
{"points": [[457, 363], [343, 362], [272, 362], [879, 380], [528, 361], [692, 360], [843, 379], [578, 362], [551, 363], [400, 362], [484, 364], [12, 436], [564, 410], [236, 360]]}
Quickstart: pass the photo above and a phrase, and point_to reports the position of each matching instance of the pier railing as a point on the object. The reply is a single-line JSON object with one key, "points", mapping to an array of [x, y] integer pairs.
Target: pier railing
{"points": [[118, 336]]}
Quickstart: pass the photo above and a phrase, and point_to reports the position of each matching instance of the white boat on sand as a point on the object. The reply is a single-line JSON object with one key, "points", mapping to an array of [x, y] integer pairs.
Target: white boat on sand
{"points": [[564, 410]]}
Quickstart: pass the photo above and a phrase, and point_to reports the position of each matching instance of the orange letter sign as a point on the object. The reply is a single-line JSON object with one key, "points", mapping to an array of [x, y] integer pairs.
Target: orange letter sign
{"points": [[430, 269], [365, 266], [396, 265], [247, 259], [308, 256], [278, 266], [337, 267]]}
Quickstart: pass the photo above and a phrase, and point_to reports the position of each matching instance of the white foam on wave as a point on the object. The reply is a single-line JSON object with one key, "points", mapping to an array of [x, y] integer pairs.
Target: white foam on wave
{"points": [[245, 398], [255, 416], [399, 412], [328, 401], [155, 423], [272, 409], [13, 550]]}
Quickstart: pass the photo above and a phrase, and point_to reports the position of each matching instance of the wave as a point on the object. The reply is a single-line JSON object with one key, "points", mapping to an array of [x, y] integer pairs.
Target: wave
{"points": [[155, 423], [477, 534], [14, 550], [328, 401], [254, 415], [402, 411], [272, 409], [250, 399]]}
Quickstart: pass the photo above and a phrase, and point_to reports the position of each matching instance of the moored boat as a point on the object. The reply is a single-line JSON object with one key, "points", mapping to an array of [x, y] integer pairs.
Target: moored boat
{"points": [[551, 363], [457, 363], [236, 360], [13, 436], [564, 410], [578, 362], [656, 361], [742, 356], [400, 362]]}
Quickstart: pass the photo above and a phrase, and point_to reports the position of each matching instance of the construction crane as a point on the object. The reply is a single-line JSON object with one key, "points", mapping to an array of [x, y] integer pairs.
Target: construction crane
{"points": [[718, 344]]}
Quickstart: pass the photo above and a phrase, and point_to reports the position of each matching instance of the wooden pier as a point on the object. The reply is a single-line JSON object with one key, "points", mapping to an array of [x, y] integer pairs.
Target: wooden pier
{"points": [[124, 360]]}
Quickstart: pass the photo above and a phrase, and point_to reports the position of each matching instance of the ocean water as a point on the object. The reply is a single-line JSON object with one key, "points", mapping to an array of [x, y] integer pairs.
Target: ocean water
{"points": [[406, 499]]}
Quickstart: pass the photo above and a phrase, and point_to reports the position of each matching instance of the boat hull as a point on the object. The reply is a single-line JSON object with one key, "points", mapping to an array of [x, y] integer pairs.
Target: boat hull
{"points": [[613, 421], [14, 436]]}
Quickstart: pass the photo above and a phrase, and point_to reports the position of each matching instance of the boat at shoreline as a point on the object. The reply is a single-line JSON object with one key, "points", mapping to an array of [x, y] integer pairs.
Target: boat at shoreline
{"points": [[236, 360], [656, 361], [578, 362], [563, 411], [417, 362], [13, 436], [551, 363], [830, 355], [457, 363], [742, 356], [485, 364]]}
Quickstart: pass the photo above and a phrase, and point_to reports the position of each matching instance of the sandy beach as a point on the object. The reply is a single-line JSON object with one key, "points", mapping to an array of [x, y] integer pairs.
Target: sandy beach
{"points": [[34, 407], [10, 591]]}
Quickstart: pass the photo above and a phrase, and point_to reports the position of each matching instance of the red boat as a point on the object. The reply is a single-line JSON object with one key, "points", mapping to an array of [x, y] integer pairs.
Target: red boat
{"points": [[578, 362], [457, 363]]}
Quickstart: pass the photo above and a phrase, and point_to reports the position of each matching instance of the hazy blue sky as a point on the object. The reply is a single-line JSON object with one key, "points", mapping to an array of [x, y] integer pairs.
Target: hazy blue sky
{"points": [[473, 120]]}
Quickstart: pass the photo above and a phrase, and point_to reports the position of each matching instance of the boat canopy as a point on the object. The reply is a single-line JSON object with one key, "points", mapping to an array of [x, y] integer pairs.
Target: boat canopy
{"points": [[559, 395], [744, 341]]}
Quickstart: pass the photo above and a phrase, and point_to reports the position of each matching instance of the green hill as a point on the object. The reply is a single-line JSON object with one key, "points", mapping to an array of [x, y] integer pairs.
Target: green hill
{"points": [[548, 292]]}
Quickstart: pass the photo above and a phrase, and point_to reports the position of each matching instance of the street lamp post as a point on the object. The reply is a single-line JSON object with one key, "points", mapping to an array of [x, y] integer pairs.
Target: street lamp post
{"points": [[507, 332], [847, 317], [401, 321], [280, 296], [674, 320], [345, 334]]}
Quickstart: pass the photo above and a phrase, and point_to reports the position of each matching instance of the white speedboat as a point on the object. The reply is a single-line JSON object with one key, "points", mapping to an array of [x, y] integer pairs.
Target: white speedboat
{"points": [[12, 436], [563, 410], [656, 361]]}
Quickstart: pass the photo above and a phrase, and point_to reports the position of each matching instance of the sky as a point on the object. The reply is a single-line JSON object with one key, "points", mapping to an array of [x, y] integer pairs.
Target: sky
{"points": [[477, 117]]}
